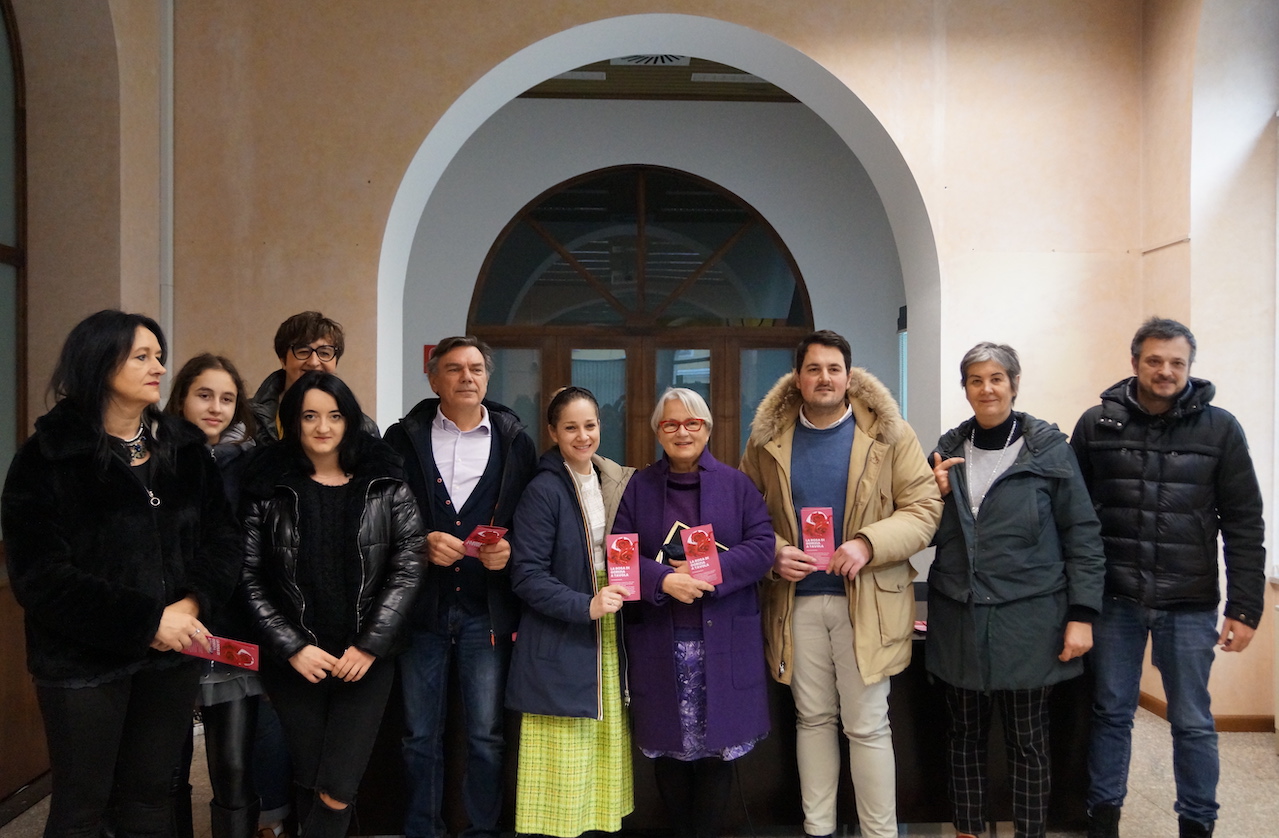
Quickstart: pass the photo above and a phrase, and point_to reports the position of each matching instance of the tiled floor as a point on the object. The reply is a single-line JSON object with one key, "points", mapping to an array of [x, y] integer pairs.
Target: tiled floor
{"points": [[1248, 791]]}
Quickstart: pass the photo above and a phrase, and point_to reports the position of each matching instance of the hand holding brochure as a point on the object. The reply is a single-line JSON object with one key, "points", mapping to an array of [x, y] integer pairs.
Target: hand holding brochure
{"points": [[482, 534], [702, 554], [818, 534], [621, 551], [228, 651]]}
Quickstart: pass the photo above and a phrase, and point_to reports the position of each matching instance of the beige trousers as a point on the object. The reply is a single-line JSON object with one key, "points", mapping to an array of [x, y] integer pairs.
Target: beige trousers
{"points": [[828, 689]]}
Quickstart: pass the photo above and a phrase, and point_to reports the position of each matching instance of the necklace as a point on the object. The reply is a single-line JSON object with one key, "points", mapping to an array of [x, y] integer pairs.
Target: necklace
{"points": [[974, 497], [136, 448]]}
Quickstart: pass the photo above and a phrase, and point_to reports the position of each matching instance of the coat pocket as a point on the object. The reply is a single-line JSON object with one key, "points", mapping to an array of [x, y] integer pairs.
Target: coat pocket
{"points": [[549, 639], [895, 602]]}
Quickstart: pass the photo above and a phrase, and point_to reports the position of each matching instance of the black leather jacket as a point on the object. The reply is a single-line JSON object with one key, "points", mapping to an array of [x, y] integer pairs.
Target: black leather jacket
{"points": [[391, 545], [1163, 486]]}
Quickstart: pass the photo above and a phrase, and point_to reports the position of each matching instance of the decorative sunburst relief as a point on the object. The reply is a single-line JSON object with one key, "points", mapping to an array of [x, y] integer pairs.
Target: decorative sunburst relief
{"points": [[650, 61]]}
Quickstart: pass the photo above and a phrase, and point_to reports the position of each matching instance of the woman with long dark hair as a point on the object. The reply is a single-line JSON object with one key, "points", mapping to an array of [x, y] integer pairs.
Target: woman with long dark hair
{"points": [[566, 670], [119, 542], [333, 558]]}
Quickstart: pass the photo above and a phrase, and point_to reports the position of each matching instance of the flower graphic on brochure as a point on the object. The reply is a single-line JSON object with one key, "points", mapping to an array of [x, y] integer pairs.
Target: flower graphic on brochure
{"points": [[622, 549], [817, 523]]}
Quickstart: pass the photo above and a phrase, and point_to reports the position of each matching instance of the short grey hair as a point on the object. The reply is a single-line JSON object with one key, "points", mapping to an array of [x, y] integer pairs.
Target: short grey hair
{"points": [[1000, 353], [692, 401]]}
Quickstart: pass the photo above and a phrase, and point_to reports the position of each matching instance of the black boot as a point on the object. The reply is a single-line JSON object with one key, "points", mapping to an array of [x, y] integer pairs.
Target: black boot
{"points": [[1194, 829], [1103, 822], [180, 799], [233, 823]]}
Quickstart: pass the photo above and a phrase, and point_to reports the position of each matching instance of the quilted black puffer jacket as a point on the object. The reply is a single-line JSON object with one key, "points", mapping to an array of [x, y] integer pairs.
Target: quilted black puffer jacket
{"points": [[391, 545], [1163, 487]]}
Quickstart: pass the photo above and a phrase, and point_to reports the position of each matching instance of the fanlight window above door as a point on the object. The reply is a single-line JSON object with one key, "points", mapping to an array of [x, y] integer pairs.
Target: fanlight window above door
{"points": [[642, 248]]}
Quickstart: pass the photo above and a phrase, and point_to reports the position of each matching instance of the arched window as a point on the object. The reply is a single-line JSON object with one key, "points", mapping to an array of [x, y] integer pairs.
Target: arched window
{"points": [[629, 280]]}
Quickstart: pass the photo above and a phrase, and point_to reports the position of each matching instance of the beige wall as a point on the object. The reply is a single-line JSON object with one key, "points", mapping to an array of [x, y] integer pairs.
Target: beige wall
{"points": [[1050, 141], [137, 33], [286, 163], [73, 174]]}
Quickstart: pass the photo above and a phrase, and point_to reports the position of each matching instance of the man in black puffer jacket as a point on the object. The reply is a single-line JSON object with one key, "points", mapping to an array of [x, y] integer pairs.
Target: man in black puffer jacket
{"points": [[1167, 471]]}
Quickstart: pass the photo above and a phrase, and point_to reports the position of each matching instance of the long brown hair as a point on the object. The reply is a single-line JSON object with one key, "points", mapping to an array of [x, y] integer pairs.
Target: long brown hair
{"points": [[192, 369]]}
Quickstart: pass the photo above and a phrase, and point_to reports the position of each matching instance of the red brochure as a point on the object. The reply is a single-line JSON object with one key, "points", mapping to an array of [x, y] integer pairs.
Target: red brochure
{"points": [[481, 535], [228, 651], [621, 551], [818, 534], [702, 554]]}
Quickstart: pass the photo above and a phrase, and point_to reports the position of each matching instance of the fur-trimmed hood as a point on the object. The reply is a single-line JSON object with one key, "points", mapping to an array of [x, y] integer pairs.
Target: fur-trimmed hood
{"points": [[874, 409]]}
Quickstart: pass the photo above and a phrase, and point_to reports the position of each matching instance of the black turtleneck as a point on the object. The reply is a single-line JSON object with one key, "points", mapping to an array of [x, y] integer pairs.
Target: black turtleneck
{"points": [[993, 439]]}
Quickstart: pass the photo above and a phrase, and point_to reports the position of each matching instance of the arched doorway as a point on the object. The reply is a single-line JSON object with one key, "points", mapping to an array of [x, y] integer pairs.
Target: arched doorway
{"points": [[632, 279], [423, 299]]}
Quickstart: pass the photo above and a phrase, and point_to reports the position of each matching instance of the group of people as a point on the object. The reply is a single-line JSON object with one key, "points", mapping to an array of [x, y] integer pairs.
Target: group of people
{"points": [[133, 534]]}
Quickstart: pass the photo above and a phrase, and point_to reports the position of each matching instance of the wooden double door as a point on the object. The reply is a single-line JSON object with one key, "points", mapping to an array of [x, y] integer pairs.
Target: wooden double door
{"points": [[627, 371]]}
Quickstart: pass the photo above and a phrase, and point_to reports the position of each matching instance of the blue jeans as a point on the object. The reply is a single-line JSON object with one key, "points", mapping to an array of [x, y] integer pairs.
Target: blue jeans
{"points": [[481, 667], [1182, 650]]}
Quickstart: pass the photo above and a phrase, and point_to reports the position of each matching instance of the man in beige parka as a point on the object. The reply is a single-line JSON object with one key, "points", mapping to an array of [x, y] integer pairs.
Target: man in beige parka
{"points": [[828, 435]]}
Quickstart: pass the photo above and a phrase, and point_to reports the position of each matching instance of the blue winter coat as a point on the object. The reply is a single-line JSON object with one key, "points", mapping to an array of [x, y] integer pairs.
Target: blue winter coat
{"points": [[1001, 585], [555, 666]]}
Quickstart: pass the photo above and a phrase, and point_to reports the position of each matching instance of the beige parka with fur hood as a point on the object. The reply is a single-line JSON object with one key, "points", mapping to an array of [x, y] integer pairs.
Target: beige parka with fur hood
{"points": [[893, 504]]}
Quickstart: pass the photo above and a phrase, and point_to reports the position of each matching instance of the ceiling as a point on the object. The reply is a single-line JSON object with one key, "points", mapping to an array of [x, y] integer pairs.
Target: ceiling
{"points": [[671, 77]]}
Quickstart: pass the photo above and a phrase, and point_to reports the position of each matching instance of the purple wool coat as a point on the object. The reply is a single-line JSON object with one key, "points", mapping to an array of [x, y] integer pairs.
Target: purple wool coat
{"points": [[736, 677]]}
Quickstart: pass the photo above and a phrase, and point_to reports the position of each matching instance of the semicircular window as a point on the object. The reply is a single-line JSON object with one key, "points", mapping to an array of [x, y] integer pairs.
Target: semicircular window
{"points": [[639, 247]]}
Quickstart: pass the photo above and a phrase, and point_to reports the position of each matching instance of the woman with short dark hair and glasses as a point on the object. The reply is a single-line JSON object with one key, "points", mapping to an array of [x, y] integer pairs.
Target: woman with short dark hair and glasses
{"points": [[305, 342], [333, 557], [120, 543], [695, 650]]}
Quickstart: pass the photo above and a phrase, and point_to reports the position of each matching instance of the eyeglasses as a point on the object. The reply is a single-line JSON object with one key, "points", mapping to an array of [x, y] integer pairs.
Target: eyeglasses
{"points": [[326, 352], [670, 426]]}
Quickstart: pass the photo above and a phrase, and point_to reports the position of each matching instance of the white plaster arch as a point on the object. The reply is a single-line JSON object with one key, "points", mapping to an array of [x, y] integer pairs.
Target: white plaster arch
{"points": [[717, 40]]}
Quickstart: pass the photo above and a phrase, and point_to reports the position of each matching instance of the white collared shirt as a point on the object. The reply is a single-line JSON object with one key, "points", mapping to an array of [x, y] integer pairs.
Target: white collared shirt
{"points": [[461, 456], [848, 412]]}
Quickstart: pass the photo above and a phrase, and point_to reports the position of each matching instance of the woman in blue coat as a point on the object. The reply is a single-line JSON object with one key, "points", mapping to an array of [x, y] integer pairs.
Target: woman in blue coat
{"points": [[695, 650], [1013, 589], [566, 675]]}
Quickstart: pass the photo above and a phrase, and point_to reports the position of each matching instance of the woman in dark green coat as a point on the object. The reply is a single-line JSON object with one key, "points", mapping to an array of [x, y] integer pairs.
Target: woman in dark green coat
{"points": [[1013, 590]]}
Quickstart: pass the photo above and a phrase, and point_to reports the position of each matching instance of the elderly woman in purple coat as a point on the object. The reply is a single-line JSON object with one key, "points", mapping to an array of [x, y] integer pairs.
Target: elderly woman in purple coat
{"points": [[695, 650]]}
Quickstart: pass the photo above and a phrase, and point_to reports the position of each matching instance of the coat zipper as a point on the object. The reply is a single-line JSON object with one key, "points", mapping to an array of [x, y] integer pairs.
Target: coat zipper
{"points": [[293, 580], [595, 589]]}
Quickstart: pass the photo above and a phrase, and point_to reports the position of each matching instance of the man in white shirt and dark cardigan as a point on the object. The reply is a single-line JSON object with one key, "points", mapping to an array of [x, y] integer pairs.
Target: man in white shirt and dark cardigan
{"points": [[468, 461]]}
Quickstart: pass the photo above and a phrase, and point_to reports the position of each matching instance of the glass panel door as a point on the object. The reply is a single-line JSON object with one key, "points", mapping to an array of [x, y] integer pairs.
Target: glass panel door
{"points": [[517, 383], [603, 372], [760, 370], [690, 368]]}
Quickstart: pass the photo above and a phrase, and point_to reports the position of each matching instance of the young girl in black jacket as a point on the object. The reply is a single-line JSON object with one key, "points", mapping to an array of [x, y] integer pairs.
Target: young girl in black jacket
{"points": [[333, 558]]}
